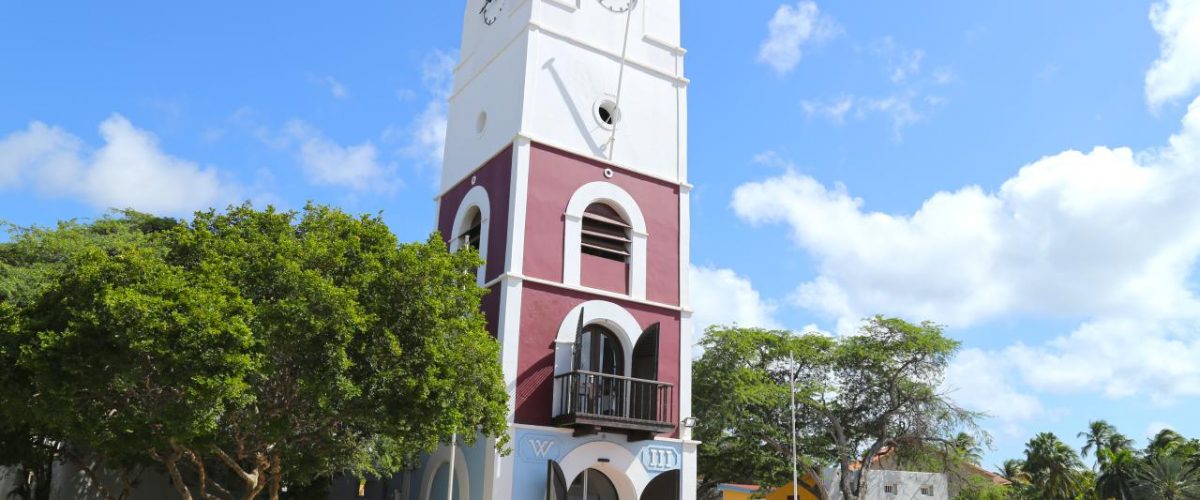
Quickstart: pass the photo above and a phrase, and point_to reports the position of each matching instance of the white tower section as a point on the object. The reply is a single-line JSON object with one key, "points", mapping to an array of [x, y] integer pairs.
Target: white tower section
{"points": [[543, 69]]}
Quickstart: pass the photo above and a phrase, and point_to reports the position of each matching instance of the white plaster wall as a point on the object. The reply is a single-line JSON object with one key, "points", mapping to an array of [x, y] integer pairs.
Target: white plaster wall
{"points": [[567, 82], [540, 70], [8, 480], [909, 485], [499, 92], [653, 32]]}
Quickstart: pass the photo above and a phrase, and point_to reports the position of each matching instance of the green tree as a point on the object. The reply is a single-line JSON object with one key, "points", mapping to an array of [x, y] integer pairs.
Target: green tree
{"points": [[1014, 471], [31, 459], [1098, 437], [1166, 443], [1053, 468], [1117, 473], [856, 396], [1167, 478], [966, 448], [73, 346], [282, 346]]}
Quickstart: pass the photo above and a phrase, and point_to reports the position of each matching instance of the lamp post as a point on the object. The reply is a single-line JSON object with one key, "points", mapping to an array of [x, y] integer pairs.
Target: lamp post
{"points": [[689, 423], [792, 383], [453, 457]]}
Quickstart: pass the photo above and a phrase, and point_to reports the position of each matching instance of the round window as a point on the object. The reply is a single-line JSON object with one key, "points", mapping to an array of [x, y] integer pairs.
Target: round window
{"points": [[607, 113]]}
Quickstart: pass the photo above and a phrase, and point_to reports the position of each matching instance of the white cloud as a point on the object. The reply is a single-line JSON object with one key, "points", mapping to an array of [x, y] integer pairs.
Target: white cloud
{"points": [[128, 171], [427, 133], [980, 381], [903, 108], [1117, 357], [834, 110], [722, 297], [902, 63], [907, 102], [790, 30], [1155, 427], [1110, 234], [1100, 233], [336, 89], [1176, 73], [328, 163], [944, 76]]}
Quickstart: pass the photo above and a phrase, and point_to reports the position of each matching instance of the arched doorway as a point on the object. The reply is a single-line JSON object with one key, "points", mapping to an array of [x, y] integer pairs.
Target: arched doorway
{"points": [[599, 356], [663, 487], [592, 485], [599, 350]]}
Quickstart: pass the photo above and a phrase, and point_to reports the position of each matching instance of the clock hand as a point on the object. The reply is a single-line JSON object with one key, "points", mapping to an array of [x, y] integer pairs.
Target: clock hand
{"points": [[485, 6]]}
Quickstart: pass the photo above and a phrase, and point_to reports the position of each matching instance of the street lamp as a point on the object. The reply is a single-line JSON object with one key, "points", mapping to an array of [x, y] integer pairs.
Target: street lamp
{"points": [[689, 423]]}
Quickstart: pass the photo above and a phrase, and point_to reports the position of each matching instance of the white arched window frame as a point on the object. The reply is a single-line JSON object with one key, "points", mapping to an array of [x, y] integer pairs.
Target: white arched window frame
{"points": [[596, 312], [623, 468], [623, 203], [476, 198], [462, 476]]}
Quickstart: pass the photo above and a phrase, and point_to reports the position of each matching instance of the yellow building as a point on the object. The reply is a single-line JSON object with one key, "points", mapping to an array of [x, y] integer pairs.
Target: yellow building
{"points": [[747, 492]]}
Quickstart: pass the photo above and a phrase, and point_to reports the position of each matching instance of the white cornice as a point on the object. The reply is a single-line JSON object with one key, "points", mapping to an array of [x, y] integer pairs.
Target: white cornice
{"points": [[679, 80], [583, 289], [684, 187]]}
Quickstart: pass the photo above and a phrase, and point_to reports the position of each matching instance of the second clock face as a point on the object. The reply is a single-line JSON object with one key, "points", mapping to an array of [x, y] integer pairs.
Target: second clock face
{"points": [[619, 5]]}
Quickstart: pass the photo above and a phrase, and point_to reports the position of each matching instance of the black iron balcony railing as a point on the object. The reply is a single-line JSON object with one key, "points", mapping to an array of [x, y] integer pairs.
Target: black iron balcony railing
{"points": [[596, 400]]}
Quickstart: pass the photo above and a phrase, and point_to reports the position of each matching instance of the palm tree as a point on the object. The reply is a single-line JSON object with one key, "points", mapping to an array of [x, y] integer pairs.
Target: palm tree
{"points": [[1014, 471], [1164, 443], [1167, 478], [966, 448], [1117, 473], [1096, 438], [1120, 441], [1053, 468]]}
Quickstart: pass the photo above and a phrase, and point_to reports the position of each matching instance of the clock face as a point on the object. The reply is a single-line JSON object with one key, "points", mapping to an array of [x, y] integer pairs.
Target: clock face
{"points": [[491, 11], [619, 5]]}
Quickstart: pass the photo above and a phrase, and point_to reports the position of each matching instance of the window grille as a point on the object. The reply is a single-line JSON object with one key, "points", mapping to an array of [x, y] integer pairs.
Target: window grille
{"points": [[605, 233]]}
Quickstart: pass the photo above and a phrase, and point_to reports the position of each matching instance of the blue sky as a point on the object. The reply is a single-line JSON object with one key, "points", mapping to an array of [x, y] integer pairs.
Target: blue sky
{"points": [[1020, 171]]}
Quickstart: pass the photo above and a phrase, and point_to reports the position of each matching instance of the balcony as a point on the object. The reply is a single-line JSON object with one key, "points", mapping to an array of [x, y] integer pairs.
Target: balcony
{"points": [[592, 402]]}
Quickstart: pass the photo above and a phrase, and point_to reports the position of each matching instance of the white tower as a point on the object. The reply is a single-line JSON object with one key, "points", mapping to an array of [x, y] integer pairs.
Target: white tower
{"points": [[566, 166], [543, 68]]}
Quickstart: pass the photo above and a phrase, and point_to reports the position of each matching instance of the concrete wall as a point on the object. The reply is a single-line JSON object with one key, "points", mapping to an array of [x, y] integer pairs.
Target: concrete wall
{"points": [[908, 485]]}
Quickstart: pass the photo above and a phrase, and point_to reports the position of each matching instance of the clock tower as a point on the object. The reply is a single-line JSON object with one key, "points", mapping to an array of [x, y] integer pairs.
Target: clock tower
{"points": [[566, 166]]}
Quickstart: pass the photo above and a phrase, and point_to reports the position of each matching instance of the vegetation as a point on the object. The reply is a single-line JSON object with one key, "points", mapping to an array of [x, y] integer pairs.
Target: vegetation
{"points": [[241, 351], [872, 401], [1167, 469], [856, 396]]}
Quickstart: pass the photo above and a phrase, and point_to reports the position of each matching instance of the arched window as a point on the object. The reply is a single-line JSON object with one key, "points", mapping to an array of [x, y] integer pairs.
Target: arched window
{"points": [[605, 233], [592, 485], [471, 226], [473, 231], [599, 350], [605, 242]]}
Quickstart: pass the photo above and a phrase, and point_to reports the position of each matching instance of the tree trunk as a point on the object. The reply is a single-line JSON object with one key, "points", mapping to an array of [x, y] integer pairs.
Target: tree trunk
{"points": [[276, 476], [93, 479], [172, 465]]}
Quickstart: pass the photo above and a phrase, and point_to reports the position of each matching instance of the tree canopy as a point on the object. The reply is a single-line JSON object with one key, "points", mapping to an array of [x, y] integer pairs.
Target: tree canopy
{"points": [[276, 346], [857, 396]]}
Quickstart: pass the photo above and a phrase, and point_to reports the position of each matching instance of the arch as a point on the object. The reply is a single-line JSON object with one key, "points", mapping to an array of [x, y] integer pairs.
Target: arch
{"points": [[462, 476], [622, 467], [621, 201], [476, 198], [596, 312], [663, 487]]}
